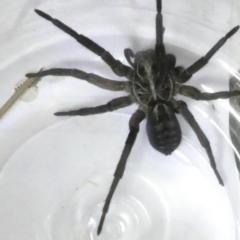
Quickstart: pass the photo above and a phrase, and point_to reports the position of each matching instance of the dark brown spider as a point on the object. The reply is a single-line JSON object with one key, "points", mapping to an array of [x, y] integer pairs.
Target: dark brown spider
{"points": [[154, 80]]}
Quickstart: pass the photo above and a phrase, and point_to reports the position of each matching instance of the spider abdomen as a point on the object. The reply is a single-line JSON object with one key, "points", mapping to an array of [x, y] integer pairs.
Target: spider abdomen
{"points": [[163, 129]]}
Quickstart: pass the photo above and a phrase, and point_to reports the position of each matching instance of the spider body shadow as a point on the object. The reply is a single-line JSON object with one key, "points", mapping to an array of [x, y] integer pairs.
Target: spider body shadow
{"points": [[153, 81]]}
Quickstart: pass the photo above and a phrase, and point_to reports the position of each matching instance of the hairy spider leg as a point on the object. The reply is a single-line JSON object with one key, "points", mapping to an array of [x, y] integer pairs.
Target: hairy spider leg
{"points": [[134, 122], [117, 67], [94, 79], [233, 121], [187, 74], [112, 105], [184, 111], [159, 47], [194, 93]]}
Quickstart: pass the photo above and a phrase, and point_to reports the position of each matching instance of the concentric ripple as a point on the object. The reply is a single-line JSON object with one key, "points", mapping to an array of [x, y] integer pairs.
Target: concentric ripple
{"points": [[136, 212]]}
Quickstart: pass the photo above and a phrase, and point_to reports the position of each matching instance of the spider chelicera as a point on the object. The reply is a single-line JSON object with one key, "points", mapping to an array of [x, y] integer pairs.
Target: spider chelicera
{"points": [[153, 81]]}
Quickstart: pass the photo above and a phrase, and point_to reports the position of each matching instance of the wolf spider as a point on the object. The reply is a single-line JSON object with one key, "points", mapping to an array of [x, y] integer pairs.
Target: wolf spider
{"points": [[153, 81]]}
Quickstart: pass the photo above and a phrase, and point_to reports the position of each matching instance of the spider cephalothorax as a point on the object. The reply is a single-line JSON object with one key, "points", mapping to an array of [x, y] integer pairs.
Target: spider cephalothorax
{"points": [[153, 81]]}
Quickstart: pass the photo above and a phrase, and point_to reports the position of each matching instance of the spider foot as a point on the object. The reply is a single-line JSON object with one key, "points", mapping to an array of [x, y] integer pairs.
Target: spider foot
{"points": [[100, 226], [80, 112], [43, 14], [31, 75], [218, 177]]}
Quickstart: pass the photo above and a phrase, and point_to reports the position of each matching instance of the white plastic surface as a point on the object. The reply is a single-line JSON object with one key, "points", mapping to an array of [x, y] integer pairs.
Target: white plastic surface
{"points": [[56, 171]]}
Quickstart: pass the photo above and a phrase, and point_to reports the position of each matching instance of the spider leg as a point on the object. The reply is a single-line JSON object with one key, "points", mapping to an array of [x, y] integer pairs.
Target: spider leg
{"points": [[178, 70], [113, 105], [159, 47], [117, 67], [187, 74], [194, 93], [184, 111], [128, 53], [134, 122], [89, 77]]}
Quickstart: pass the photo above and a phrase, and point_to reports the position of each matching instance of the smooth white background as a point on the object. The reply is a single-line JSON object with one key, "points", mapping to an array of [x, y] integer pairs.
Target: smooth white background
{"points": [[45, 159]]}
